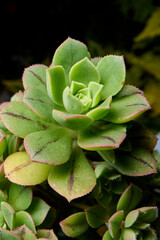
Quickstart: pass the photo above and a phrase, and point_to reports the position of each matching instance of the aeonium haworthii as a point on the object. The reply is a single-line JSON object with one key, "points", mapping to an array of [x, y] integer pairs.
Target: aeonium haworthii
{"points": [[77, 103]]}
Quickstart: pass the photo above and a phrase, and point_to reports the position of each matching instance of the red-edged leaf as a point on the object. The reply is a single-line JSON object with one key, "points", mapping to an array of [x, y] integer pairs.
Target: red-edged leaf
{"points": [[50, 146], [45, 233], [3, 144], [74, 178], [75, 225], [129, 199], [68, 53], [39, 102], [35, 75], [8, 235], [109, 137], [115, 222], [21, 120], [23, 232], [72, 121], [139, 162], [127, 105]]}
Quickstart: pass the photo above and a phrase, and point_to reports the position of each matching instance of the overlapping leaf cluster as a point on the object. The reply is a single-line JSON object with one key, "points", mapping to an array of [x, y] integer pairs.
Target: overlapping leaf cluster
{"points": [[73, 126], [21, 214]]}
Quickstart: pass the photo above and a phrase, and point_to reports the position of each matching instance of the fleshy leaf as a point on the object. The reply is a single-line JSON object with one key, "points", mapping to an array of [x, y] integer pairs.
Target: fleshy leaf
{"points": [[128, 234], [129, 199], [96, 216], [115, 222], [141, 137], [21, 170], [149, 234], [45, 146], [38, 210], [95, 92], [24, 233], [100, 111], [72, 121], [74, 178], [3, 144], [75, 225], [49, 234], [8, 235], [107, 236], [112, 75], [131, 218], [13, 144], [127, 105], [39, 102], [8, 213], [35, 75], [73, 104], [3, 197], [110, 137], [139, 162], [149, 214], [56, 83], [21, 120], [68, 53], [22, 218], [84, 72], [20, 197]]}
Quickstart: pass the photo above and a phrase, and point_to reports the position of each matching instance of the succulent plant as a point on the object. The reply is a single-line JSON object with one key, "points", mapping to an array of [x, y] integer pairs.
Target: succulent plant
{"points": [[75, 105], [124, 224], [21, 214]]}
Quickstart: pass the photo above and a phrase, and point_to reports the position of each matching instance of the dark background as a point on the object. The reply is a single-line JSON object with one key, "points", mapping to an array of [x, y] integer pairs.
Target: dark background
{"points": [[30, 32]]}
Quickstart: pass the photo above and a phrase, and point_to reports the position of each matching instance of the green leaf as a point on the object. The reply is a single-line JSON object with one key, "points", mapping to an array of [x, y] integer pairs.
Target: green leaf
{"points": [[138, 162], [2, 220], [49, 234], [127, 106], [21, 170], [149, 234], [149, 214], [35, 75], [3, 144], [13, 143], [110, 137], [112, 75], [74, 104], [74, 178], [115, 222], [72, 121], [128, 234], [22, 218], [21, 120], [38, 210], [24, 233], [68, 53], [129, 199], [96, 216], [9, 214], [20, 197], [84, 72], [75, 225], [39, 102], [131, 218], [141, 137], [8, 235], [3, 197], [95, 92], [50, 146], [100, 111], [107, 236], [56, 83]]}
